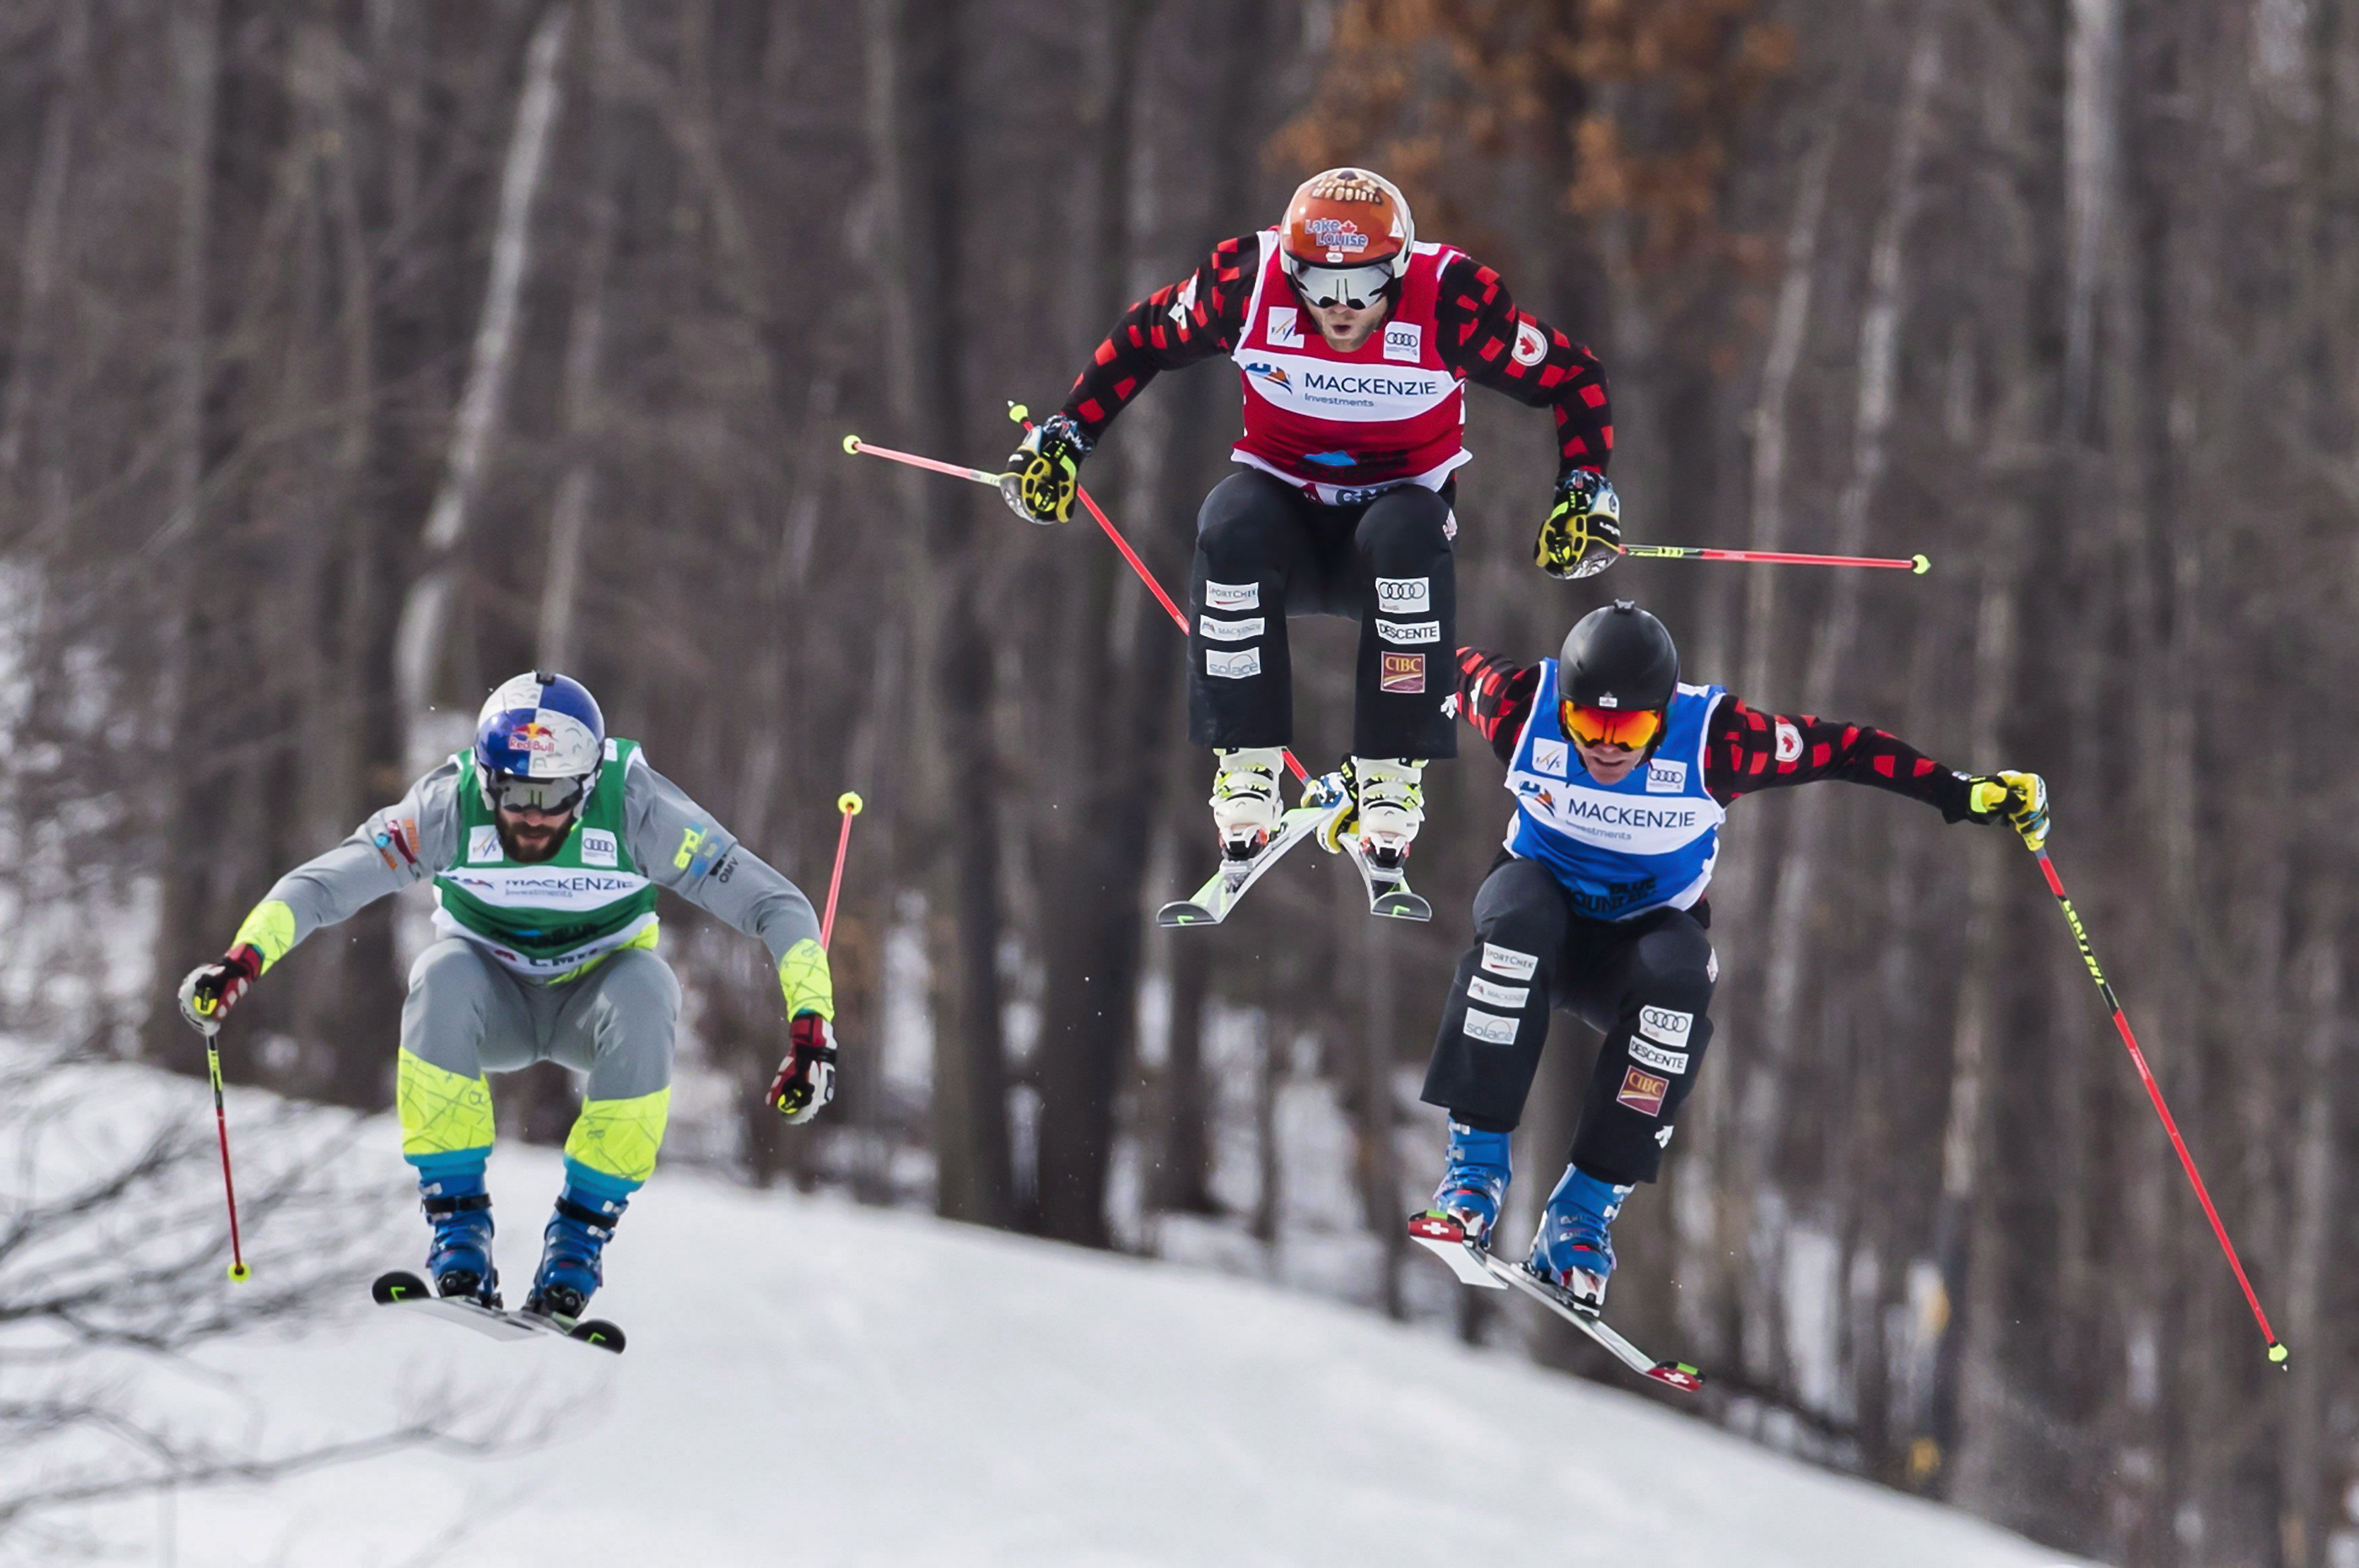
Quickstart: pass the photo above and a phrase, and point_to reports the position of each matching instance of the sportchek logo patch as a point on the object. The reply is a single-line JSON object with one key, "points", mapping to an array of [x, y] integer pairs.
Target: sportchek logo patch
{"points": [[1402, 673], [1231, 631], [1233, 596], [1655, 1056], [1489, 1027], [1408, 632], [1232, 666], [1405, 595], [1643, 1092], [1508, 964]]}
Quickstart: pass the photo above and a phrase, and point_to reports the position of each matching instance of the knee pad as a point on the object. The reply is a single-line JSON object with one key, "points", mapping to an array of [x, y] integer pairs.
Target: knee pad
{"points": [[441, 1113], [619, 1138]]}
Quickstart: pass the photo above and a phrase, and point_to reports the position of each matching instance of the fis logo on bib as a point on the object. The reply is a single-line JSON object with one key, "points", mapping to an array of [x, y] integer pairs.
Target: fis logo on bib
{"points": [[1550, 757], [484, 844], [1284, 326]]}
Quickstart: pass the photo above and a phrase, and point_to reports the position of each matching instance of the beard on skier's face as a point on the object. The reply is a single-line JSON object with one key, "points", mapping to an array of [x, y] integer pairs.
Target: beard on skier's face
{"points": [[529, 834], [1609, 764], [1345, 328]]}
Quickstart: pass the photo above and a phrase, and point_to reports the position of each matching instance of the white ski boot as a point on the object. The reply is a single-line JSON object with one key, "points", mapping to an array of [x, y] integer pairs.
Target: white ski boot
{"points": [[1383, 811], [1245, 802]]}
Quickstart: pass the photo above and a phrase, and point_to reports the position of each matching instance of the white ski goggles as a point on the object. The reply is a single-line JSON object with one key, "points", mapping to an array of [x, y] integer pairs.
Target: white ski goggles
{"points": [[550, 797], [1356, 287]]}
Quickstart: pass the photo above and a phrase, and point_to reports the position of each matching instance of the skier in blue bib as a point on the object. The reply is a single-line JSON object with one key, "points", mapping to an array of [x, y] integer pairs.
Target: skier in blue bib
{"points": [[544, 844], [1622, 777]]}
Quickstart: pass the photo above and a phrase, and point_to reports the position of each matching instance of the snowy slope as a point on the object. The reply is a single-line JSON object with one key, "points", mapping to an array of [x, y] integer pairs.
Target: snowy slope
{"points": [[811, 1382]]}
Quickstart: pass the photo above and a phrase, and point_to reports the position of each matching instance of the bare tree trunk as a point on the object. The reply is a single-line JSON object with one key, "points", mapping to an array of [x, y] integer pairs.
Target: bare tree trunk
{"points": [[1789, 329], [196, 52], [33, 358], [917, 122], [425, 614], [2303, 1442], [1093, 950], [570, 513], [1791, 929]]}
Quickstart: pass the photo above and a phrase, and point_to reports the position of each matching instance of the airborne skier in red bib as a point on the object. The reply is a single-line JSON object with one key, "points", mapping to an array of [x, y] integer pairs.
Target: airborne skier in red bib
{"points": [[1353, 343]]}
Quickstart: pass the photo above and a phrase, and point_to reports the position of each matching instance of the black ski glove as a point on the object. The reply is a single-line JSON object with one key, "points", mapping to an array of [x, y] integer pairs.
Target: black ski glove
{"points": [[1044, 474], [1583, 531]]}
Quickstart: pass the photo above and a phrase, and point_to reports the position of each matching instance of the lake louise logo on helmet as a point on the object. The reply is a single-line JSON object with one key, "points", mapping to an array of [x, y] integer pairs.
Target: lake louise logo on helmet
{"points": [[1336, 235]]}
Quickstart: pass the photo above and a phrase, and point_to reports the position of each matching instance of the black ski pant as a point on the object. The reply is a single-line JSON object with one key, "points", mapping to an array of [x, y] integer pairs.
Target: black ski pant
{"points": [[1265, 551], [1643, 983]]}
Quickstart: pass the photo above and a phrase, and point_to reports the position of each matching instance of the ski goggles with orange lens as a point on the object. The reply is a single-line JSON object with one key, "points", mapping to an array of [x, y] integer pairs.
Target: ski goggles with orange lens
{"points": [[1636, 728]]}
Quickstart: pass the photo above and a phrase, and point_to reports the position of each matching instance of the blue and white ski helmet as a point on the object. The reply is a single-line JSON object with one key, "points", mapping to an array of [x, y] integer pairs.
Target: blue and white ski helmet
{"points": [[540, 726]]}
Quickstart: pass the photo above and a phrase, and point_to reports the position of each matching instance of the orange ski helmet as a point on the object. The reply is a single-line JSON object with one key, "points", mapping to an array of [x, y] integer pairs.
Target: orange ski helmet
{"points": [[1346, 235]]}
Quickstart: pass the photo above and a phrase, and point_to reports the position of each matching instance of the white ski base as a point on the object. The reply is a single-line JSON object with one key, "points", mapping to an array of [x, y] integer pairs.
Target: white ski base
{"points": [[1212, 902], [1444, 1237]]}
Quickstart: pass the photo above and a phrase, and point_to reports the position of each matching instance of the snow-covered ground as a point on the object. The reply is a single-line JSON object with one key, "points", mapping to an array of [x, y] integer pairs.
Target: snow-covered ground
{"points": [[812, 1382]]}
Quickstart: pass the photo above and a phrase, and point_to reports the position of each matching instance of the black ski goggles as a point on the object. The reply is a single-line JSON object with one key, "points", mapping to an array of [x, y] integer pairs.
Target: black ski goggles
{"points": [[550, 797]]}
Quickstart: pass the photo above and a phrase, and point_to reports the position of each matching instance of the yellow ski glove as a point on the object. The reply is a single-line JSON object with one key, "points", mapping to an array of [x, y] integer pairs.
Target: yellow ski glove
{"points": [[2021, 798]]}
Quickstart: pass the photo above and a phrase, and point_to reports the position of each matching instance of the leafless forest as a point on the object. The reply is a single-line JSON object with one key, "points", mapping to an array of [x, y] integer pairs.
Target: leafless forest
{"points": [[356, 354]]}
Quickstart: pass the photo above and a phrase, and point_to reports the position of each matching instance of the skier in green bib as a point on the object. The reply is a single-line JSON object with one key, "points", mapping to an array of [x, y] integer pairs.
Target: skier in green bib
{"points": [[544, 844]]}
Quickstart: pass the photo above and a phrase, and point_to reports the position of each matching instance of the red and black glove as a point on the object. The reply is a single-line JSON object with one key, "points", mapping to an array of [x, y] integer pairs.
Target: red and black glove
{"points": [[212, 990], [806, 1079]]}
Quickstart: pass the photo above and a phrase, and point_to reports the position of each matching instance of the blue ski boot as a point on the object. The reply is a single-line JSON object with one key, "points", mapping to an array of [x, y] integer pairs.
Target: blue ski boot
{"points": [[451, 1190], [1475, 1184], [575, 1241], [1573, 1251]]}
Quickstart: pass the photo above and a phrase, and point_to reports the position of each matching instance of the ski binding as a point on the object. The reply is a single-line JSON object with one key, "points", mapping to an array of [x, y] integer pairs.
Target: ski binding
{"points": [[405, 1290], [1213, 901], [1446, 1238], [1387, 886]]}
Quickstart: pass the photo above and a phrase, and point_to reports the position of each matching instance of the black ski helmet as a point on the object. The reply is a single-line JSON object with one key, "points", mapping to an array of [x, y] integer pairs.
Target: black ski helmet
{"points": [[1619, 656]]}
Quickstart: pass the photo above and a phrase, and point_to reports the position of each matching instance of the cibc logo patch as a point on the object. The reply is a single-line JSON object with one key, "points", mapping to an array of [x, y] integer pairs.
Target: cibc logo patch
{"points": [[1403, 674], [1643, 1092]]}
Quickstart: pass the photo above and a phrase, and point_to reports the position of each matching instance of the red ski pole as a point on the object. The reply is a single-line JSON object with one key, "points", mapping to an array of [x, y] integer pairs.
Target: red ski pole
{"points": [[237, 1269], [2154, 1093], [1915, 564], [849, 804], [1016, 412]]}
